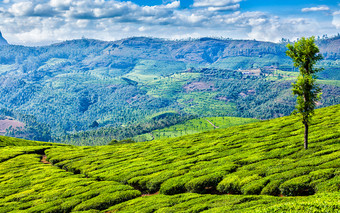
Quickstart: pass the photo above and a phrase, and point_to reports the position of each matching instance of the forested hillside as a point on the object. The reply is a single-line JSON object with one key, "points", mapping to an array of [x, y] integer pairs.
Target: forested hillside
{"points": [[168, 126], [85, 84], [257, 167]]}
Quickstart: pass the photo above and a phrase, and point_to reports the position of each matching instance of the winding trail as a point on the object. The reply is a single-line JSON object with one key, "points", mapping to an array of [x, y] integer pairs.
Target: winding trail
{"points": [[143, 195], [216, 127], [153, 137], [44, 160]]}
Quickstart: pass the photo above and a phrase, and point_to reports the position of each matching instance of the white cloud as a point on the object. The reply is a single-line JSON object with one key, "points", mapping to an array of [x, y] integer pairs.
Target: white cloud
{"points": [[142, 29], [274, 29], [22, 8], [314, 9], [83, 23], [173, 5], [214, 3], [336, 19], [61, 4], [44, 10], [111, 11], [226, 8], [28, 8], [125, 11], [193, 18], [48, 21]]}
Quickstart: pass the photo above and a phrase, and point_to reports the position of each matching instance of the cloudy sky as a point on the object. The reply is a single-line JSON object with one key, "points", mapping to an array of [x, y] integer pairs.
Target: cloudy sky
{"points": [[38, 22]]}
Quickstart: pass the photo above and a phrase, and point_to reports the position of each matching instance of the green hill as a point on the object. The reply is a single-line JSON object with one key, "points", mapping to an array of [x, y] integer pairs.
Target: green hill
{"points": [[69, 86], [9, 142], [259, 167], [193, 126]]}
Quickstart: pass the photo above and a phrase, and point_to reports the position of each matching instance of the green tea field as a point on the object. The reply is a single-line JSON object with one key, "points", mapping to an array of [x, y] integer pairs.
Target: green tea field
{"points": [[256, 167], [194, 126]]}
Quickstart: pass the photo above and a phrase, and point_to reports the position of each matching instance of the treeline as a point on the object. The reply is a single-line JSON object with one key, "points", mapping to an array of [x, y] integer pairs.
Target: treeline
{"points": [[259, 96], [105, 135], [32, 130]]}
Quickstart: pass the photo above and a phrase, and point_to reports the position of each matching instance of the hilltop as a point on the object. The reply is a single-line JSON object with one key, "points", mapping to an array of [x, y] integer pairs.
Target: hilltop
{"points": [[260, 167]]}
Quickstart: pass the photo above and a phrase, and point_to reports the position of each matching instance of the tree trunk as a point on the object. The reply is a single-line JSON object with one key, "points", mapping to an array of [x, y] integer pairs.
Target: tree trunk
{"points": [[306, 135]]}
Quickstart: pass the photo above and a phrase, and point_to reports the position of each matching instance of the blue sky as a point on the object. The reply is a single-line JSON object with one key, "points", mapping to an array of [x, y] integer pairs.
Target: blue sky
{"points": [[38, 22]]}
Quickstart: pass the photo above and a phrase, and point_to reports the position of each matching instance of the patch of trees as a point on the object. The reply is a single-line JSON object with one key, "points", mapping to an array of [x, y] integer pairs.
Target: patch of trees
{"points": [[33, 129], [121, 134]]}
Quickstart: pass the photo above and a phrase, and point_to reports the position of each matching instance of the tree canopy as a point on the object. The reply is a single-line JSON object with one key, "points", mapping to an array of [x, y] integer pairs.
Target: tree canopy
{"points": [[305, 54]]}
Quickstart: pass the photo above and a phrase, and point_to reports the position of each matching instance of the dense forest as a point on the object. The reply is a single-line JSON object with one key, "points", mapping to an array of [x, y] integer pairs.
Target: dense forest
{"points": [[33, 129]]}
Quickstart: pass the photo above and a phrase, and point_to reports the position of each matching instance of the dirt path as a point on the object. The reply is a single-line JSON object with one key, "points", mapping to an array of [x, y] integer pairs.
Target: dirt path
{"points": [[44, 160], [143, 195], [153, 137], [212, 124]]}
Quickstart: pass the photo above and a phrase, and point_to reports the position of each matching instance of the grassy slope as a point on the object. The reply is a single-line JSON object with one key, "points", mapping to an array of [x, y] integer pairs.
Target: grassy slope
{"points": [[194, 126], [12, 147], [291, 76], [8, 141], [28, 185], [251, 162], [197, 102]]}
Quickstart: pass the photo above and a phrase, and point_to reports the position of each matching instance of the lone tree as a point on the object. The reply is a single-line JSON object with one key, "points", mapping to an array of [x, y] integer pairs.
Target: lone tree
{"points": [[305, 54]]}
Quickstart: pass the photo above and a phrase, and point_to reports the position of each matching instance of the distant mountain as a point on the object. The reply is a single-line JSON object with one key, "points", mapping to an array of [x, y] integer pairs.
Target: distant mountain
{"points": [[195, 51], [2, 40], [73, 84], [330, 48]]}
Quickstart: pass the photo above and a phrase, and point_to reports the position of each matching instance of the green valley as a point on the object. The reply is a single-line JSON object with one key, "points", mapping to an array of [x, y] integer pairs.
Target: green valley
{"points": [[63, 90]]}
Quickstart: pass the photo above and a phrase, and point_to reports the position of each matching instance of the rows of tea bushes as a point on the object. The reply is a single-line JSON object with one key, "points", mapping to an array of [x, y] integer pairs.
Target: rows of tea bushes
{"points": [[239, 169], [28, 185], [193, 126], [8, 141], [262, 158], [192, 202], [11, 152], [12, 147]]}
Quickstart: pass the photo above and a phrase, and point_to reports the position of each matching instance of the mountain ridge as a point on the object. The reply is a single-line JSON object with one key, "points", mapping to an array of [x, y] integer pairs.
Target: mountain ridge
{"points": [[3, 41], [222, 47]]}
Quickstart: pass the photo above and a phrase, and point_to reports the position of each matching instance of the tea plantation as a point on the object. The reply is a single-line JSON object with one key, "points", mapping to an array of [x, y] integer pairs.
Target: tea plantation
{"points": [[193, 126], [258, 167]]}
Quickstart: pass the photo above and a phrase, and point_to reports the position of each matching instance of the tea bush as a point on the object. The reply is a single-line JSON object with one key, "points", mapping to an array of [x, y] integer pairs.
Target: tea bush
{"points": [[297, 186]]}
